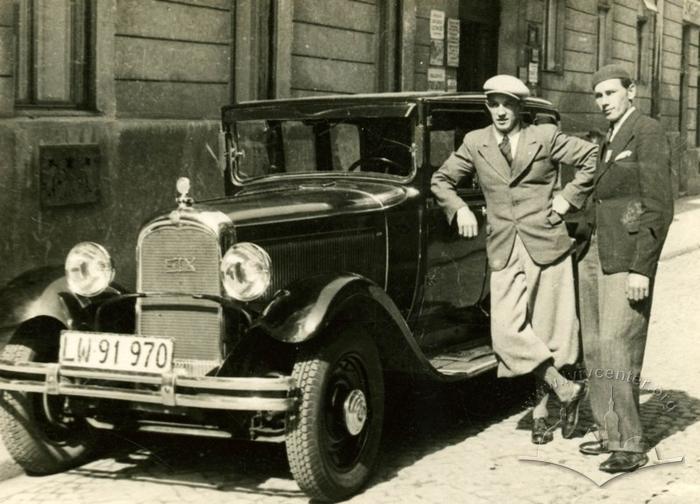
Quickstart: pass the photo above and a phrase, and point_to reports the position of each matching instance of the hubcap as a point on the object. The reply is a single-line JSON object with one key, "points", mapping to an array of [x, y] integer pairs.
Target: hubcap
{"points": [[355, 412]]}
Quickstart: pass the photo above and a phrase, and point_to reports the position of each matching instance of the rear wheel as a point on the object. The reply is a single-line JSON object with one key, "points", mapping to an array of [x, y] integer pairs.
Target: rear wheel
{"points": [[333, 438], [38, 429]]}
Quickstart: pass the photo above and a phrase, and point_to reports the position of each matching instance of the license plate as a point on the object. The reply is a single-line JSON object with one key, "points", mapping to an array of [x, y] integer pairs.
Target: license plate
{"points": [[116, 352]]}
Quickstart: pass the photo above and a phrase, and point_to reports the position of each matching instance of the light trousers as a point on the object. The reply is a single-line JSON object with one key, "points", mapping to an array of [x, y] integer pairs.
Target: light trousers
{"points": [[533, 313]]}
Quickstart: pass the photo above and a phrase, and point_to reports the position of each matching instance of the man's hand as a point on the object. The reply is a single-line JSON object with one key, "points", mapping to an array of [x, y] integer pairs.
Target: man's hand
{"points": [[560, 205], [637, 287], [466, 223]]}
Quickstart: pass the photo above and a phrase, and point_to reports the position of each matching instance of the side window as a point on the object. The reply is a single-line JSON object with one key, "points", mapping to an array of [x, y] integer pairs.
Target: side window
{"points": [[447, 131], [251, 137], [345, 146], [299, 147]]}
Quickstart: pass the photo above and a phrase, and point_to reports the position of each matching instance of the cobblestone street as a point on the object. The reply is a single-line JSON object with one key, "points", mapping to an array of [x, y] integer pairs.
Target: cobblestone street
{"points": [[462, 444]]}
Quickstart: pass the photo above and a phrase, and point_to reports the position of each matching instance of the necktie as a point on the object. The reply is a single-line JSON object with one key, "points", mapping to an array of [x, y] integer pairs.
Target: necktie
{"points": [[504, 146], [606, 144]]}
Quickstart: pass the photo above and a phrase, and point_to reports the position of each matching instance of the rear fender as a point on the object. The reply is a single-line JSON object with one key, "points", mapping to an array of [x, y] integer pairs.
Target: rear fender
{"points": [[309, 309]]}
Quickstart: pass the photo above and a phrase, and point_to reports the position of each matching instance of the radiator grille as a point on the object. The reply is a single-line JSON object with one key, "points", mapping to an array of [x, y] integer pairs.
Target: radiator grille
{"points": [[181, 260], [360, 252]]}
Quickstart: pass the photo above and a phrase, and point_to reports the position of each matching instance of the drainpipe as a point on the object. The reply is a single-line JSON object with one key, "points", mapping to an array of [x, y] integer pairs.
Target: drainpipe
{"points": [[658, 64]]}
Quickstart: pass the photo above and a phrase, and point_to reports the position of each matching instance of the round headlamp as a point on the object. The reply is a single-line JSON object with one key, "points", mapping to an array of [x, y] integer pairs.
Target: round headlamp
{"points": [[89, 269], [246, 270]]}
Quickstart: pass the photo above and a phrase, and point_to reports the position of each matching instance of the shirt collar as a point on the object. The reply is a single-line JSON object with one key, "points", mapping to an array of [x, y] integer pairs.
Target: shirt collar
{"points": [[513, 137], [618, 124]]}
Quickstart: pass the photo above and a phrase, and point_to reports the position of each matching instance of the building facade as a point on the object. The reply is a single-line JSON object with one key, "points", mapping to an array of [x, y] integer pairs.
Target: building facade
{"points": [[104, 103]]}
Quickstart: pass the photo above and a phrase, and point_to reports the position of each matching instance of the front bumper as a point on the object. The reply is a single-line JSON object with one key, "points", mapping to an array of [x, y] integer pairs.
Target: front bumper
{"points": [[170, 389]]}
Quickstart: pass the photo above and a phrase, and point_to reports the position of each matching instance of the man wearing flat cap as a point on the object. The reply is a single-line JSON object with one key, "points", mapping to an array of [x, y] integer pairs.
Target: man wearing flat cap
{"points": [[628, 216], [534, 327]]}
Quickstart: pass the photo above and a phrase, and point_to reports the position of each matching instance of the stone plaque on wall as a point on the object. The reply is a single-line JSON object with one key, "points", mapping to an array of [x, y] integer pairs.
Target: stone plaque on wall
{"points": [[69, 174], [691, 11]]}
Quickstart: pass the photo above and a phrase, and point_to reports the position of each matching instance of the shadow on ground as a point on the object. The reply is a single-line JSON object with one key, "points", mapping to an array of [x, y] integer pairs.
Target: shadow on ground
{"points": [[421, 419], [663, 415]]}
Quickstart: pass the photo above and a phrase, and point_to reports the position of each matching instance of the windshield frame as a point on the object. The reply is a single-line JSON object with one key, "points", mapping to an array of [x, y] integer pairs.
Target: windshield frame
{"points": [[337, 113]]}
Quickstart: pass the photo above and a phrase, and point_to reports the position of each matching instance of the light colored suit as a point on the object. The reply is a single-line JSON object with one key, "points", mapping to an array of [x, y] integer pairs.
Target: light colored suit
{"points": [[533, 310], [519, 199]]}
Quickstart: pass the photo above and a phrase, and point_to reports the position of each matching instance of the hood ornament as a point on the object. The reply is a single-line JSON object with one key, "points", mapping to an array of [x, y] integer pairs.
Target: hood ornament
{"points": [[184, 201], [183, 187]]}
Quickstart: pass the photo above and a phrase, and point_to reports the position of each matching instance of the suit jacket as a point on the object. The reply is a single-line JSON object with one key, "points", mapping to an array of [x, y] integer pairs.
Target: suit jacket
{"points": [[632, 202], [519, 197]]}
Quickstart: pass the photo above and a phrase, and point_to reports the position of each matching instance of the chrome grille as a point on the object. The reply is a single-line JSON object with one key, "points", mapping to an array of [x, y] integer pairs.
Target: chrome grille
{"points": [[181, 259], [361, 252]]}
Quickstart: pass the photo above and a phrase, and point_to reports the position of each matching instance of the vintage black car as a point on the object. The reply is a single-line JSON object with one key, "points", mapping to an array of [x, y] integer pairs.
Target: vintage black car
{"points": [[276, 313]]}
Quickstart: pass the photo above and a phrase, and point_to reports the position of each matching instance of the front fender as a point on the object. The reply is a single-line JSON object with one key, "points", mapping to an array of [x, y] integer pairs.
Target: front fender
{"points": [[35, 293], [41, 293], [304, 308]]}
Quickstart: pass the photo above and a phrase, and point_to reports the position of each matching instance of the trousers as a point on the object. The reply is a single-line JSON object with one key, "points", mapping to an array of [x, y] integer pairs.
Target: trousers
{"points": [[533, 313], [614, 332]]}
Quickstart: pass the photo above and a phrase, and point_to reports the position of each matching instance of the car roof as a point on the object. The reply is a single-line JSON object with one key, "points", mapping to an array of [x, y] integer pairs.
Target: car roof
{"points": [[368, 104]]}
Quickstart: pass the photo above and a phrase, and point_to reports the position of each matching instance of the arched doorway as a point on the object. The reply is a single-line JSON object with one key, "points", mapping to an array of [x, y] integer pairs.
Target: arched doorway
{"points": [[478, 42]]}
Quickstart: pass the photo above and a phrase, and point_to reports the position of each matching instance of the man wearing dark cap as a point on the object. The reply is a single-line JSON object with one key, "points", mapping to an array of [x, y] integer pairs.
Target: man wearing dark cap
{"points": [[534, 327], [630, 210]]}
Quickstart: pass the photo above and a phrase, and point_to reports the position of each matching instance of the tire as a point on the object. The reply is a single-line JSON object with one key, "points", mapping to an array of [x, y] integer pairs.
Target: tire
{"points": [[39, 445], [330, 455]]}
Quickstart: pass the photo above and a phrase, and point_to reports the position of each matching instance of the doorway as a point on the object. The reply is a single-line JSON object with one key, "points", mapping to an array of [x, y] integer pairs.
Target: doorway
{"points": [[478, 41]]}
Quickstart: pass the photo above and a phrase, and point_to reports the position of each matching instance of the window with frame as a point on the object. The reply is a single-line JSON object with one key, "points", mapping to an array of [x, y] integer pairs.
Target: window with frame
{"points": [[604, 30], [646, 25], [554, 20], [52, 60]]}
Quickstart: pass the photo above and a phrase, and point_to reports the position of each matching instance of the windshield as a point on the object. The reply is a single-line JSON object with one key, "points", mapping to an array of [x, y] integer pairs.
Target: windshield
{"points": [[377, 146]]}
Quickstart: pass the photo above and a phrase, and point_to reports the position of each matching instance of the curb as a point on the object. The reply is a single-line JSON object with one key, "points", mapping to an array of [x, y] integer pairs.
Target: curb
{"points": [[679, 252], [9, 470]]}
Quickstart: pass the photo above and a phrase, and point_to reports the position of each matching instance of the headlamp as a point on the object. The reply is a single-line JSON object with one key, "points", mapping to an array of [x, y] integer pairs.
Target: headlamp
{"points": [[246, 270], [89, 269]]}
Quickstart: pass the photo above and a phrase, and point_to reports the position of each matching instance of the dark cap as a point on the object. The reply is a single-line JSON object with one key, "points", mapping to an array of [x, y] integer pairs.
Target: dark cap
{"points": [[612, 71]]}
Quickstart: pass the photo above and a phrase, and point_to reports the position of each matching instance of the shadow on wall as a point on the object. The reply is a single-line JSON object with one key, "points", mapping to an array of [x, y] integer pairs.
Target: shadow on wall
{"points": [[140, 161]]}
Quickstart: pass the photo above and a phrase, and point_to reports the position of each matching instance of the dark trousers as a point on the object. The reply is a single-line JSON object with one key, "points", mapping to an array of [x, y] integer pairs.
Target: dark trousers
{"points": [[614, 332]]}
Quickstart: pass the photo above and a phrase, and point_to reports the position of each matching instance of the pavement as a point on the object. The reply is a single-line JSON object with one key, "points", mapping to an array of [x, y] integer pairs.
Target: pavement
{"points": [[684, 233], [447, 447]]}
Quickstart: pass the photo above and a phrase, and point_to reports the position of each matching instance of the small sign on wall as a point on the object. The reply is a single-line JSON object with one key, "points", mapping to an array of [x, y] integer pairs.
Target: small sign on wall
{"points": [[437, 24], [436, 79], [453, 42], [437, 51], [69, 174]]}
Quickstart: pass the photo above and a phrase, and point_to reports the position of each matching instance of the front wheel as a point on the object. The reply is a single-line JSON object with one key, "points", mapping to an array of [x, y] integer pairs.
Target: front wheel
{"points": [[332, 440], [38, 430]]}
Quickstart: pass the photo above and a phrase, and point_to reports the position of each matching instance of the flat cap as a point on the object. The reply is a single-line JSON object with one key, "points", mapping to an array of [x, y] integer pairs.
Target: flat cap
{"points": [[507, 85], [607, 72]]}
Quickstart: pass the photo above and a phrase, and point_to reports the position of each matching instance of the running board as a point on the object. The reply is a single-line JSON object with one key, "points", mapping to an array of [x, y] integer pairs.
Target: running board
{"points": [[467, 362]]}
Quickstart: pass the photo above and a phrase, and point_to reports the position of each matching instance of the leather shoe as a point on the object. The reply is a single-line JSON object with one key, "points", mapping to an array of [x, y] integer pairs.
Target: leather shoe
{"points": [[541, 434], [593, 448], [569, 412], [624, 461]]}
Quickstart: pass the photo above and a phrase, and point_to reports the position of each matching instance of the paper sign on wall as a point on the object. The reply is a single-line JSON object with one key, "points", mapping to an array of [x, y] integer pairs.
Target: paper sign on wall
{"points": [[437, 24], [437, 51], [436, 79], [453, 54], [452, 30]]}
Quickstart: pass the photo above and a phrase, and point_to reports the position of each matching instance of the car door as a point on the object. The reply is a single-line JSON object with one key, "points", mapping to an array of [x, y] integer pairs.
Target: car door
{"points": [[456, 268]]}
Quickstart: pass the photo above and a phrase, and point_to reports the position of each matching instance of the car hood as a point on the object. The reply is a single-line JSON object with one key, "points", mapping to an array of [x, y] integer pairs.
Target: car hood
{"points": [[306, 200]]}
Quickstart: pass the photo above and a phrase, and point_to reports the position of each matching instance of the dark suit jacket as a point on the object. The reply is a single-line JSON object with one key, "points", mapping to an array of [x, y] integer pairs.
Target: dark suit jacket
{"points": [[632, 203], [519, 197]]}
